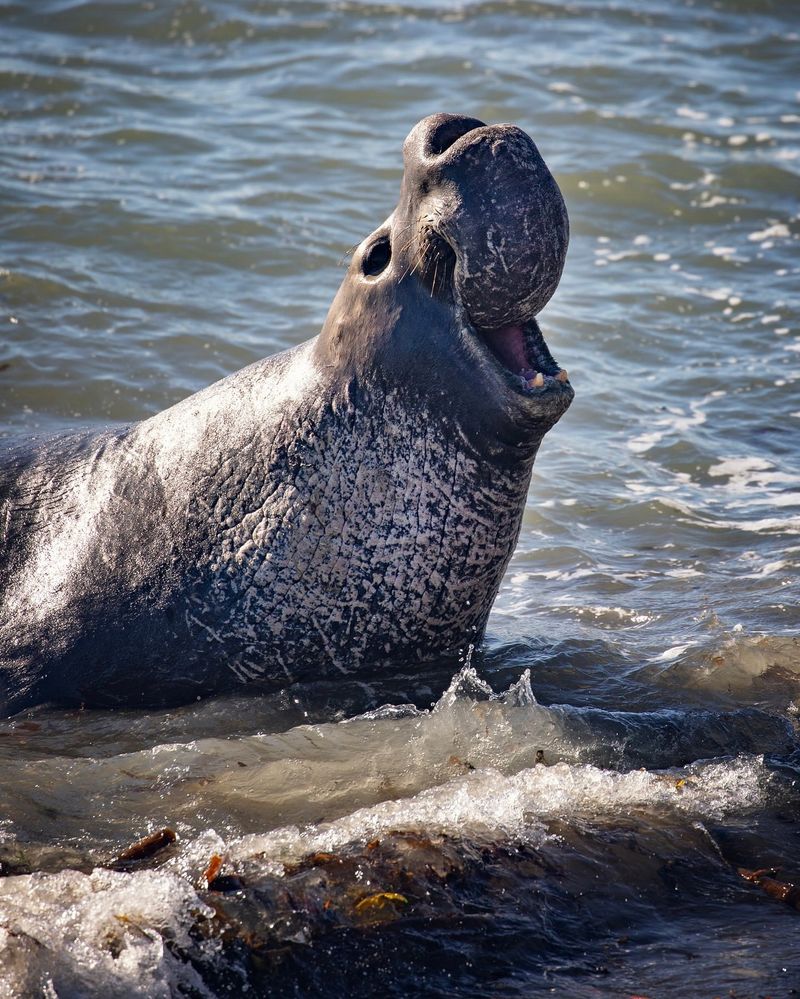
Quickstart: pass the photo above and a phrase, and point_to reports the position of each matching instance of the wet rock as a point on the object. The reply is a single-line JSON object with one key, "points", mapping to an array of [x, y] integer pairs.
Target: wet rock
{"points": [[148, 846]]}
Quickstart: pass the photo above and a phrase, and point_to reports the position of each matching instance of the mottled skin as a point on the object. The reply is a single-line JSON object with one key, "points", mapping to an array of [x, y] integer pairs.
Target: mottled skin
{"points": [[347, 505]]}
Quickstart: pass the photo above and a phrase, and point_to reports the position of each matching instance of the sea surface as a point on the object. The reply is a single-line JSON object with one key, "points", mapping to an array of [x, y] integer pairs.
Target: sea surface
{"points": [[604, 798]]}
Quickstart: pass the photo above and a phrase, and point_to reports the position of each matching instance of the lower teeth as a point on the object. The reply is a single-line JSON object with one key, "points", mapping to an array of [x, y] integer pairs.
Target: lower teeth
{"points": [[535, 379]]}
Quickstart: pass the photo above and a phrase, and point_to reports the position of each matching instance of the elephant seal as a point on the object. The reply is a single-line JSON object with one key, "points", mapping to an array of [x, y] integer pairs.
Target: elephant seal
{"points": [[347, 505]]}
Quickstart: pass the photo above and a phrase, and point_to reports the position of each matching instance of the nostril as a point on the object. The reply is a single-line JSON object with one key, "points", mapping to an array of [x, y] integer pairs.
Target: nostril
{"points": [[376, 258], [450, 130]]}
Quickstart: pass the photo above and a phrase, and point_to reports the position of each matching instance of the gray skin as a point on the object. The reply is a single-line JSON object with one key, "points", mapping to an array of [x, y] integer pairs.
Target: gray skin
{"points": [[345, 507]]}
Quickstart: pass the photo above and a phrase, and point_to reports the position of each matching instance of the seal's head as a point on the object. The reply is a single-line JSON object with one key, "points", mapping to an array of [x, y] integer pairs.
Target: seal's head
{"points": [[440, 301]]}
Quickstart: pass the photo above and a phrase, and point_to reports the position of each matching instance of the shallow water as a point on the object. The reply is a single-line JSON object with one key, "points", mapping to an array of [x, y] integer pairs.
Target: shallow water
{"points": [[180, 184]]}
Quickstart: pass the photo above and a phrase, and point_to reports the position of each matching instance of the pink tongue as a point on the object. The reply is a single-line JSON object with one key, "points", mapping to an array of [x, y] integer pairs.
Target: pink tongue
{"points": [[508, 343]]}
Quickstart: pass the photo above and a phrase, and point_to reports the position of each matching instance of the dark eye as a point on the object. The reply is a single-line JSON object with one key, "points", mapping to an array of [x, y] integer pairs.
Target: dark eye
{"points": [[377, 257]]}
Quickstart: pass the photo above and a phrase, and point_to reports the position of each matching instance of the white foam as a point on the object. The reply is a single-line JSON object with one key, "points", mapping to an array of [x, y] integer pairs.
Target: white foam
{"points": [[768, 569], [672, 653], [678, 422], [612, 617], [490, 804], [561, 87], [781, 525], [691, 113], [777, 231], [738, 466], [717, 294], [97, 934]]}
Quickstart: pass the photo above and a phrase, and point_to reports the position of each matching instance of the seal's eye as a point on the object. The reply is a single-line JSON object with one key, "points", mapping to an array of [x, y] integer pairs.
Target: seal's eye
{"points": [[377, 257]]}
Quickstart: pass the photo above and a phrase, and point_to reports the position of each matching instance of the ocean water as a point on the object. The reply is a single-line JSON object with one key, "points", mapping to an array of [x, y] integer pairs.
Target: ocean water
{"points": [[577, 807]]}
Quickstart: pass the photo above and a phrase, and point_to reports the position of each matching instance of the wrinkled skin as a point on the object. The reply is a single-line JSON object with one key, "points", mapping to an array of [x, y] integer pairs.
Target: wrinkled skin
{"points": [[347, 505]]}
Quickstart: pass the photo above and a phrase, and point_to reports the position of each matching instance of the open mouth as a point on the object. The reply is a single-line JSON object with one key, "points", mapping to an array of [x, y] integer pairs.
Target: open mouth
{"points": [[519, 350], [523, 353]]}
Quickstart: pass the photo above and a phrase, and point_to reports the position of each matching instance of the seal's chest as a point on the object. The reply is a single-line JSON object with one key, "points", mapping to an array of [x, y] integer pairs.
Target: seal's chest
{"points": [[380, 541]]}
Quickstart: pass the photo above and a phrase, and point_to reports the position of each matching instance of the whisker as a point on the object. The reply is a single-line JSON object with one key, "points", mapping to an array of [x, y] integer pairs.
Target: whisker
{"points": [[404, 248], [412, 267], [420, 261], [348, 253]]}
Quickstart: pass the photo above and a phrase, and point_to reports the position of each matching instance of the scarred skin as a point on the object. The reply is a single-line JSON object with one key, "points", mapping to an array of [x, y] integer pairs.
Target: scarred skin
{"points": [[347, 506]]}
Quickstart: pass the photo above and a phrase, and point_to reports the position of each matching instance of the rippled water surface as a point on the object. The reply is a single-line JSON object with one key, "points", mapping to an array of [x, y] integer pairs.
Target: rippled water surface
{"points": [[573, 811]]}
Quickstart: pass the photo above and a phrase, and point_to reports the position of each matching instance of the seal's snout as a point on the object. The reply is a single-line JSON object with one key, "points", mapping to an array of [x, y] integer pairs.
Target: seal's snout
{"points": [[488, 233], [485, 191]]}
